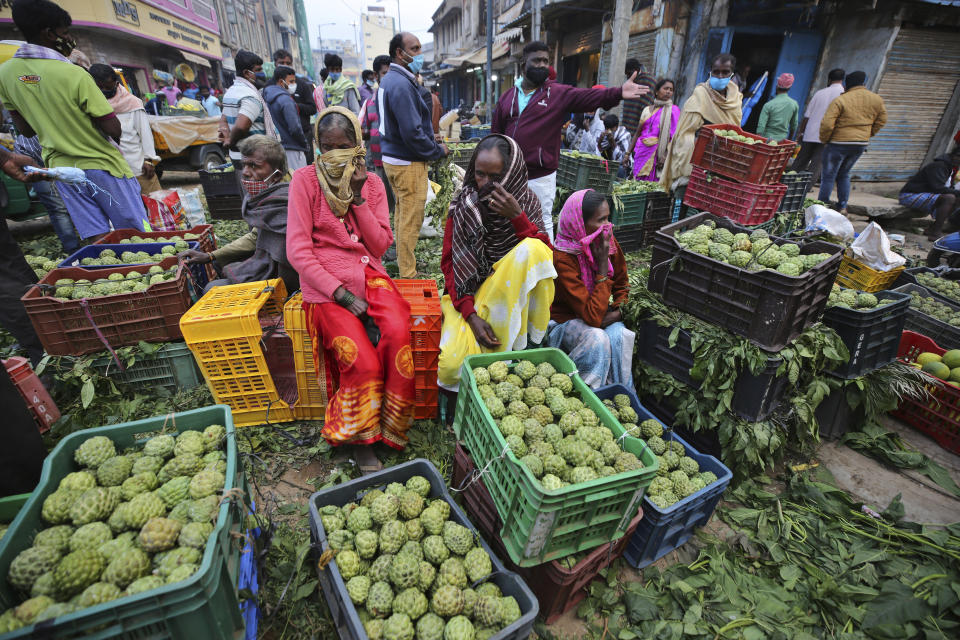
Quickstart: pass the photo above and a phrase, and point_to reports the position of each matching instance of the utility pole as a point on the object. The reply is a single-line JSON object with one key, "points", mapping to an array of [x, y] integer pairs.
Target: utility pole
{"points": [[618, 45], [535, 21], [489, 74]]}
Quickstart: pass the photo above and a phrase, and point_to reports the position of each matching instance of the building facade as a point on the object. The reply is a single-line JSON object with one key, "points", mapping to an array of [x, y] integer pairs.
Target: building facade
{"points": [[262, 26], [143, 36], [376, 31]]}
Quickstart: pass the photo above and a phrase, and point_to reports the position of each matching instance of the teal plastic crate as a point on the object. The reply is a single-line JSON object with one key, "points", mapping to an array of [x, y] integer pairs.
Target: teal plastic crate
{"points": [[10, 506], [206, 605], [541, 525], [628, 208], [172, 366], [576, 173]]}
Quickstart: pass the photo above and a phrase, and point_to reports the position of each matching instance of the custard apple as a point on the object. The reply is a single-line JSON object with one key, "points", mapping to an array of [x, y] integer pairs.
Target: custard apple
{"points": [[93, 504], [420, 485], [379, 570], [94, 452], [57, 537], [487, 611], [410, 602], [206, 483], [458, 538], [90, 535], [213, 436], [452, 572], [348, 562], [78, 570], [28, 611], [398, 627], [380, 599], [78, 480], [432, 520], [147, 464], [195, 534], [137, 484], [114, 471], [411, 504], [359, 520], [434, 549], [126, 567], [404, 571], [414, 530], [357, 589], [159, 534], [147, 583], [393, 535], [447, 601], [142, 508], [430, 627], [366, 543], [189, 442], [477, 563], [30, 564], [384, 508], [175, 491]]}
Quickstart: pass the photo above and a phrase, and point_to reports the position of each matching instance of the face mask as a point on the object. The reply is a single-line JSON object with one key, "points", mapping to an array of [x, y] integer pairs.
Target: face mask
{"points": [[334, 76], [64, 45], [537, 75], [256, 187], [415, 64], [719, 84], [292, 87], [110, 94], [334, 168], [370, 83]]}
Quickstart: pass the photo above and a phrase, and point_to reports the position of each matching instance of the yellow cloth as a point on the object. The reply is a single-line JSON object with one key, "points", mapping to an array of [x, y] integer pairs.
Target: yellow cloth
{"points": [[705, 106], [515, 300], [335, 167], [409, 184]]}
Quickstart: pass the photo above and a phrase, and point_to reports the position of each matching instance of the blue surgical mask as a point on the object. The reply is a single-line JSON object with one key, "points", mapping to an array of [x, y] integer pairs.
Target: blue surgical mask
{"points": [[415, 64], [261, 75], [370, 83], [334, 76], [719, 84]]}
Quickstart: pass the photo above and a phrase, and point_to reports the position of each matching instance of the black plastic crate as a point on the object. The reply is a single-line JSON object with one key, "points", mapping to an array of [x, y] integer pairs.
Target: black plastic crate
{"points": [[225, 207], [659, 214], [703, 441], [629, 236], [798, 185], [755, 396], [945, 335], [343, 612], [766, 307], [835, 415], [872, 336], [909, 276], [223, 183]]}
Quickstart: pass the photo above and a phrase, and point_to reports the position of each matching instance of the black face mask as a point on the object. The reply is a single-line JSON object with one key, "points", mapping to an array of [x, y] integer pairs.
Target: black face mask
{"points": [[537, 75], [110, 94]]}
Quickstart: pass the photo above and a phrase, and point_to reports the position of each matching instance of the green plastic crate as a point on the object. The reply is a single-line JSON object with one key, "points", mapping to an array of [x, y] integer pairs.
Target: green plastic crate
{"points": [[576, 173], [629, 208], [172, 366], [204, 606], [540, 525], [10, 507]]}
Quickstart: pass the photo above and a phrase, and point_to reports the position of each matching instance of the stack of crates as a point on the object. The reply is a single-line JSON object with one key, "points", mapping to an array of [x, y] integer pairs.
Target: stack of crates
{"points": [[225, 330], [425, 319], [311, 393]]}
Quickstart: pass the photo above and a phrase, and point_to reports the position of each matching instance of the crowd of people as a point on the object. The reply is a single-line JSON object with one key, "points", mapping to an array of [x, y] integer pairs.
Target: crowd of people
{"points": [[326, 201]]}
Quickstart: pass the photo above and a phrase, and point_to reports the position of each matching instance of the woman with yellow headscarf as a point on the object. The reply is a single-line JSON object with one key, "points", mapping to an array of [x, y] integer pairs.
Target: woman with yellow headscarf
{"points": [[338, 227]]}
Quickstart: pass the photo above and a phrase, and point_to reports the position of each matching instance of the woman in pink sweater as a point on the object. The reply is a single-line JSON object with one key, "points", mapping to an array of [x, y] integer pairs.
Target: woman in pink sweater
{"points": [[338, 227]]}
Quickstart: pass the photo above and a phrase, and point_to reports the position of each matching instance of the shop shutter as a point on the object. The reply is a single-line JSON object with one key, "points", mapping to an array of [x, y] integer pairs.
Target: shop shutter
{"points": [[583, 41], [640, 46], [922, 72]]}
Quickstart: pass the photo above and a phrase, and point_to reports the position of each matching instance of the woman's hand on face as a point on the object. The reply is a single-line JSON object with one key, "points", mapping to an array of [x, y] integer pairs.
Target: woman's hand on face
{"points": [[601, 253], [503, 203], [483, 332], [357, 180]]}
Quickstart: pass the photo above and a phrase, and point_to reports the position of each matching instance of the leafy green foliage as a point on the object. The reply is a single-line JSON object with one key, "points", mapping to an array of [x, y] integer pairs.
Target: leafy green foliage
{"points": [[442, 173]]}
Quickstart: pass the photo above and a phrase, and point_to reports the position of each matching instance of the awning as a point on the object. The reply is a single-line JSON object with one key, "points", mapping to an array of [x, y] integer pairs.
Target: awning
{"points": [[480, 55], [445, 71], [508, 35], [195, 59], [456, 61]]}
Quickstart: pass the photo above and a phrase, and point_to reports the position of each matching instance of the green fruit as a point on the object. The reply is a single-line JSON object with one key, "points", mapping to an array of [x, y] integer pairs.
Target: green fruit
{"points": [[404, 571], [430, 627], [126, 567], [477, 563], [434, 549], [204, 509], [384, 509], [78, 480], [30, 564], [359, 520], [55, 610], [427, 575], [414, 530], [159, 534], [175, 491], [937, 369], [195, 534], [411, 603], [90, 535], [142, 508], [380, 599], [458, 538], [349, 563], [393, 535], [398, 627], [94, 452], [159, 446], [453, 572], [420, 485], [57, 537], [379, 570], [147, 583], [93, 504], [182, 573], [411, 504], [366, 543], [357, 588], [459, 628], [432, 520], [189, 442], [510, 611], [78, 570], [31, 609], [447, 601], [147, 464], [951, 358]]}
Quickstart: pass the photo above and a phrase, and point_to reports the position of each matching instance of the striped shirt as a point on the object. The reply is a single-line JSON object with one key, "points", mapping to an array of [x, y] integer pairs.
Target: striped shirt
{"points": [[239, 100], [29, 147]]}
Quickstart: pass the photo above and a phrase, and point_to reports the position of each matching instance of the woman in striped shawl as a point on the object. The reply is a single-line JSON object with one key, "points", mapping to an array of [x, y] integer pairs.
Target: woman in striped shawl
{"points": [[497, 261]]}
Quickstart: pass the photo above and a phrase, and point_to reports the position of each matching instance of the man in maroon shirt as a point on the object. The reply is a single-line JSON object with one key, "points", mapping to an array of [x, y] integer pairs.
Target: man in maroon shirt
{"points": [[533, 111]]}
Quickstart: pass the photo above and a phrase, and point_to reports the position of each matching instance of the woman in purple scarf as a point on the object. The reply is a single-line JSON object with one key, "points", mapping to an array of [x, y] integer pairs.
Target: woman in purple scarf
{"points": [[658, 123]]}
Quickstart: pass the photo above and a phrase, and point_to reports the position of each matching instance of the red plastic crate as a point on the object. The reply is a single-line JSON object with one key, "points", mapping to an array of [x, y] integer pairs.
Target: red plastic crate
{"points": [[65, 327], [938, 414], [557, 588], [38, 400], [760, 163], [744, 203]]}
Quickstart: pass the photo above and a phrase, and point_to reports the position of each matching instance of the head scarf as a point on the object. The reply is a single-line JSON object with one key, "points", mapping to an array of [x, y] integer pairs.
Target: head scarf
{"points": [[124, 102], [784, 81], [336, 167], [572, 237], [480, 236]]}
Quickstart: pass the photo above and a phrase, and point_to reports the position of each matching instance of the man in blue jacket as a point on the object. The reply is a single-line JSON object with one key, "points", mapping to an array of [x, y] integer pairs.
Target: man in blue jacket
{"points": [[279, 99], [407, 143]]}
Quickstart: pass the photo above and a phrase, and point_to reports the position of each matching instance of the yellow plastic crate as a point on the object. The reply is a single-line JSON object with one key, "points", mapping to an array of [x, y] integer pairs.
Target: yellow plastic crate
{"points": [[231, 332], [856, 275], [311, 394]]}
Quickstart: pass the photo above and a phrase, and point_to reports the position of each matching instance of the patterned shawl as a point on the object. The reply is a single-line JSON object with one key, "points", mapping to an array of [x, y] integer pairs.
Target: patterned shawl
{"points": [[572, 237], [480, 236]]}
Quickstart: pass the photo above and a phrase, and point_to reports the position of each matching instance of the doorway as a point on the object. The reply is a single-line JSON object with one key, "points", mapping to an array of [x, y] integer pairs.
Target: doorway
{"points": [[756, 55]]}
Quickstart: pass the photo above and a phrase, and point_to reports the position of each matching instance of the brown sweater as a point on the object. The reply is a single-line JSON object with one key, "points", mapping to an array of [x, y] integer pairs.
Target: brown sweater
{"points": [[571, 299]]}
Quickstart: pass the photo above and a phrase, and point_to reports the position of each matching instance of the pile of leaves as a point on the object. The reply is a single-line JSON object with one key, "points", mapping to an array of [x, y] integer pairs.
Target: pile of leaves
{"points": [[720, 358], [443, 173], [806, 563]]}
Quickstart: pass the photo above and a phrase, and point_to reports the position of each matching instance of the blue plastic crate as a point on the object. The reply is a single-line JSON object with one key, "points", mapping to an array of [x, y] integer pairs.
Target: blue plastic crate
{"points": [[334, 588], [663, 530], [198, 271]]}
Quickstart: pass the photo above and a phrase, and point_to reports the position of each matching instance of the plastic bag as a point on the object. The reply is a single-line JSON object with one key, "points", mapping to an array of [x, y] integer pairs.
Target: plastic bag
{"points": [[820, 218], [192, 207], [426, 229], [872, 248]]}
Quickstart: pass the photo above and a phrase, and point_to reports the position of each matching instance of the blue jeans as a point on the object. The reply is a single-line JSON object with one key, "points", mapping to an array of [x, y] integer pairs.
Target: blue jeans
{"points": [[50, 198], [838, 160]]}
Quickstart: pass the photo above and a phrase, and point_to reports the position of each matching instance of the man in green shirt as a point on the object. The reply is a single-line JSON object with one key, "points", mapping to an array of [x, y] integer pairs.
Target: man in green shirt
{"points": [[780, 116], [52, 98]]}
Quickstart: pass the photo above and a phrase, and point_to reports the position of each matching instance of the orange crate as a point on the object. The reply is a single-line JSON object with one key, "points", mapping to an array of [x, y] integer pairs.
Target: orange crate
{"points": [[311, 394], [426, 399], [425, 312], [225, 330]]}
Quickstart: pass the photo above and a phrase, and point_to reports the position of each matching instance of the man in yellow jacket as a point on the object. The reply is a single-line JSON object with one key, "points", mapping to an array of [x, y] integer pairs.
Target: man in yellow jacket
{"points": [[851, 120]]}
